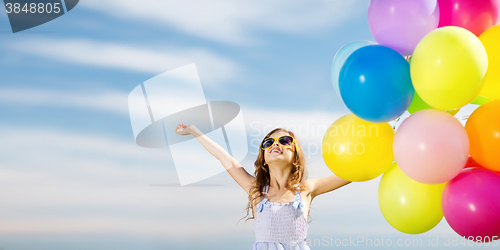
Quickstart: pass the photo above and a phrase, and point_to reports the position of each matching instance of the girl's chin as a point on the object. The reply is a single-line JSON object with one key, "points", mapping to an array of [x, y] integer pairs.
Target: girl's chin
{"points": [[280, 160]]}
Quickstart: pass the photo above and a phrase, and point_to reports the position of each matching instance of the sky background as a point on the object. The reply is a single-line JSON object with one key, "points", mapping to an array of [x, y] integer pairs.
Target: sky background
{"points": [[71, 175]]}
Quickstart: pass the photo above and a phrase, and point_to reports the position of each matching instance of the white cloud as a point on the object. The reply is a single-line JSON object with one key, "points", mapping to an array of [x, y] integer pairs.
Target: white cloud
{"points": [[64, 154], [124, 57], [108, 101], [54, 183], [111, 101], [62, 182], [235, 21], [309, 126]]}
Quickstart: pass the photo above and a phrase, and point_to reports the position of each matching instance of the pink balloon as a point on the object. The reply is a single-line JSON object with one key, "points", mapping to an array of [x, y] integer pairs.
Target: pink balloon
{"points": [[471, 204], [473, 15], [400, 25], [431, 146]]}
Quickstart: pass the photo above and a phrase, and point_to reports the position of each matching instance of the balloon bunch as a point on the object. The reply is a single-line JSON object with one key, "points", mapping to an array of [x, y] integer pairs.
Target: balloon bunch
{"points": [[432, 57]]}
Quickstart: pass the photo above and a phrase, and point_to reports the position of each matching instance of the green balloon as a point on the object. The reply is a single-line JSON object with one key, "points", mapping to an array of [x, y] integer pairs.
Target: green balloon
{"points": [[480, 100], [418, 104]]}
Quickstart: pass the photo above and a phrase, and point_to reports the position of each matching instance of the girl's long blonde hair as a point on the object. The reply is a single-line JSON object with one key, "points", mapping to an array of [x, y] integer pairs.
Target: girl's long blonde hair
{"points": [[262, 177]]}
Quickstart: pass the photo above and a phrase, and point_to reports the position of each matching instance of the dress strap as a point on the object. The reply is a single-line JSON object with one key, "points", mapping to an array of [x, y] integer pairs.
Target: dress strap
{"points": [[298, 193], [297, 203], [298, 200], [264, 202]]}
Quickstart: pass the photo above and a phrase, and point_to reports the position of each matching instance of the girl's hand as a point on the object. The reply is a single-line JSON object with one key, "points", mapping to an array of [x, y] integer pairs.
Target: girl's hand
{"points": [[184, 129]]}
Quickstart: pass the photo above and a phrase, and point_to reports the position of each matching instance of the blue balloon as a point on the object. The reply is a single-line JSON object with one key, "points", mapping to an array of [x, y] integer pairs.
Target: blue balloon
{"points": [[375, 83], [341, 56]]}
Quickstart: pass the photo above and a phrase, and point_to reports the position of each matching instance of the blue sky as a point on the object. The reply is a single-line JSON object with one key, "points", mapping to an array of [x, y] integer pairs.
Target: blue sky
{"points": [[72, 176]]}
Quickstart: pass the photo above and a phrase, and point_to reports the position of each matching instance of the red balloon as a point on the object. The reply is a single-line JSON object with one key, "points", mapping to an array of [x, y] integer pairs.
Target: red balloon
{"points": [[471, 163], [473, 15]]}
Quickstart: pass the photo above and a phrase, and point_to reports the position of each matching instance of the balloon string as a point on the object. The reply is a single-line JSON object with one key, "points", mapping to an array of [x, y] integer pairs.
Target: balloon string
{"points": [[464, 117]]}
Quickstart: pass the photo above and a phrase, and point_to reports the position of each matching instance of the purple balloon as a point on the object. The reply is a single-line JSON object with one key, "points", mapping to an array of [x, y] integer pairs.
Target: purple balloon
{"points": [[401, 25], [471, 204]]}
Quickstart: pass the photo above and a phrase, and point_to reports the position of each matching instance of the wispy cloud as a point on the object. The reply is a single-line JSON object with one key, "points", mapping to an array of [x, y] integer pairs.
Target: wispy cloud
{"points": [[103, 100], [306, 123], [63, 153], [72, 183], [309, 126], [127, 57], [60, 183], [234, 22]]}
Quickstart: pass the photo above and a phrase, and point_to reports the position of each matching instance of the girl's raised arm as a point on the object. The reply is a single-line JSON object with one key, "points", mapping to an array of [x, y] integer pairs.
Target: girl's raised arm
{"points": [[239, 174], [325, 184]]}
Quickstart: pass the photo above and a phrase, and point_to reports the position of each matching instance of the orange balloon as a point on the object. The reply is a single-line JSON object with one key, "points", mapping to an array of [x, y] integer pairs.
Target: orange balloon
{"points": [[483, 129]]}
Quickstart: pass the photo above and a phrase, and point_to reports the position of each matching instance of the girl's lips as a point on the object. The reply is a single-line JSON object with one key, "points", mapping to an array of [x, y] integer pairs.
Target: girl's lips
{"points": [[273, 150]]}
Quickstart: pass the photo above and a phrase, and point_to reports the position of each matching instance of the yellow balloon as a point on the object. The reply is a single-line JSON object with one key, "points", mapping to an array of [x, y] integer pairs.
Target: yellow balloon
{"points": [[491, 40], [448, 66], [409, 206], [358, 150]]}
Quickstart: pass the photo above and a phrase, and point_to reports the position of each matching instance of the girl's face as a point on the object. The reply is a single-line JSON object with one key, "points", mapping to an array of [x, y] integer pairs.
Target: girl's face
{"points": [[278, 152]]}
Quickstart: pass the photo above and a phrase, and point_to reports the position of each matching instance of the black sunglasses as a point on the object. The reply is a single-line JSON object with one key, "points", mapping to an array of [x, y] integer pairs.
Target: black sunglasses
{"points": [[285, 141]]}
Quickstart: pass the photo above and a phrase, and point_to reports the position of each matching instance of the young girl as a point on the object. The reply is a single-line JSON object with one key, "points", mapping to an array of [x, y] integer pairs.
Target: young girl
{"points": [[279, 195]]}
